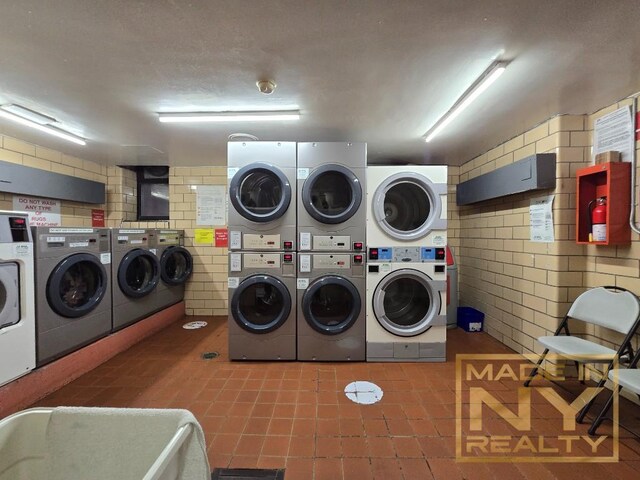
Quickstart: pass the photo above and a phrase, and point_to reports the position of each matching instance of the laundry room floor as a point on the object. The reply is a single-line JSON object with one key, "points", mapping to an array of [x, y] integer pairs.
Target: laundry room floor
{"points": [[295, 415]]}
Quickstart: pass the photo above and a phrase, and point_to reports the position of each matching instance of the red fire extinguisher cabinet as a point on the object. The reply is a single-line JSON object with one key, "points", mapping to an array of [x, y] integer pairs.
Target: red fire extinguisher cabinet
{"points": [[611, 180]]}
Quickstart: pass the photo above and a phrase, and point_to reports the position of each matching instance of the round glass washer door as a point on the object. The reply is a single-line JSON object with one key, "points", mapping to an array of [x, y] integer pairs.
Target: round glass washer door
{"points": [[260, 304], [405, 302], [9, 294], [176, 265], [260, 192], [138, 273], [77, 285], [407, 206], [331, 305], [332, 194]]}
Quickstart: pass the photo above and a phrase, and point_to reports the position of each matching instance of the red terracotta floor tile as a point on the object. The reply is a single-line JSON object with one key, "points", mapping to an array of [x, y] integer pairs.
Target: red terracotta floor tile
{"points": [[415, 468], [249, 445], [380, 447], [277, 446], [386, 469], [328, 447], [327, 469], [356, 468], [302, 447], [354, 447], [407, 447]]}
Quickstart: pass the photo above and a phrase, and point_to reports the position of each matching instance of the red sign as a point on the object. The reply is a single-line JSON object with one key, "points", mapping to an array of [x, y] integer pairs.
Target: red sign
{"points": [[97, 218], [222, 237]]}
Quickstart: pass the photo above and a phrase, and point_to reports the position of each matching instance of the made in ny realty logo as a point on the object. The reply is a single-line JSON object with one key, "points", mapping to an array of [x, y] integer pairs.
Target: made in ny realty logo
{"points": [[498, 419]]}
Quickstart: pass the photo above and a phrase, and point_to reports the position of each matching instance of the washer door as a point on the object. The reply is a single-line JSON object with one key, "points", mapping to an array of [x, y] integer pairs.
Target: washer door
{"points": [[138, 273], [9, 294], [261, 304], [331, 194], [405, 302], [407, 206], [77, 285], [260, 192], [331, 305], [176, 265]]}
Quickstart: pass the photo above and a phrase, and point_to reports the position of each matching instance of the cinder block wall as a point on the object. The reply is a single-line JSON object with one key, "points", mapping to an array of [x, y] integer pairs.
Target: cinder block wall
{"points": [[525, 288]]}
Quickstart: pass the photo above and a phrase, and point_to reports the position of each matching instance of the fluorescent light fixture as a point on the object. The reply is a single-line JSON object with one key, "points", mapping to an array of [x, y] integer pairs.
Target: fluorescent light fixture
{"points": [[483, 82], [37, 121], [229, 116]]}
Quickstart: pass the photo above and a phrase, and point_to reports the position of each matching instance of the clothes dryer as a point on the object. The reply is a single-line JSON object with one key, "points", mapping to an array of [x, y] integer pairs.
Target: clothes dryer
{"points": [[73, 289], [17, 305], [262, 194], [136, 275], [407, 206], [406, 304], [262, 308], [176, 265], [331, 315], [331, 196]]}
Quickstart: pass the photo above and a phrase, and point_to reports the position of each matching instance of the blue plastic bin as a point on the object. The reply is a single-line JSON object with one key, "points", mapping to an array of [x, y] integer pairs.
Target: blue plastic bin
{"points": [[470, 319]]}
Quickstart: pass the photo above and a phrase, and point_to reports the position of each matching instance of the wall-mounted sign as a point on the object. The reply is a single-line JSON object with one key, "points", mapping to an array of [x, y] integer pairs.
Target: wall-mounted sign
{"points": [[222, 237], [43, 212], [97, 217], [203, 236], [211, 205], [614, 131], [541, 219]]}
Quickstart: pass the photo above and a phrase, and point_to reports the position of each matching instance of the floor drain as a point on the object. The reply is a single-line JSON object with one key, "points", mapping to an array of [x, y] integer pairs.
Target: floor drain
{"points": [[365, 393], [210, 355], [194, 325]]}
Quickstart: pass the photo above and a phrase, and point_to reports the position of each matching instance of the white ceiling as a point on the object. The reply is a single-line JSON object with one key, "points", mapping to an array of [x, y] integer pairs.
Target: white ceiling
{"points": [[380, 71]]}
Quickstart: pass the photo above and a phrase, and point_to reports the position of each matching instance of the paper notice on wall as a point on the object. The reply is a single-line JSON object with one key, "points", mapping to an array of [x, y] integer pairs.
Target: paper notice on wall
{"points": [[211, 205], [203, 236], [541, 219], [43, 212], [614, 132]]}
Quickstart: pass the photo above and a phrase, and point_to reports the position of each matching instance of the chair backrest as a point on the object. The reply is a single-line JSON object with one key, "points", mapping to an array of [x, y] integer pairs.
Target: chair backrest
{"points": [[616, 310]]}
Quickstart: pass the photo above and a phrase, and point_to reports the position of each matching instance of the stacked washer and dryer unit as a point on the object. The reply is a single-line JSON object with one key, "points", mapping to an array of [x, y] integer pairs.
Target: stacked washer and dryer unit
{"points": [[406, 269]]}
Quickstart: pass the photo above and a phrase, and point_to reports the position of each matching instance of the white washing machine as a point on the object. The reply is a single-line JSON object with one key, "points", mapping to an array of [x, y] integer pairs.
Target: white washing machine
{"points": [[331, 196], [331, 315], [407, 206], [262, 195], [17, 297], [406, 304], [262, 310]]}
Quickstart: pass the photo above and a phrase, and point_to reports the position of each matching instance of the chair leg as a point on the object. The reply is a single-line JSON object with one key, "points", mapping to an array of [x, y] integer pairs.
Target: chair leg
{"points": [[536, 368], [599, 419], [583, 412], [577, 364]]}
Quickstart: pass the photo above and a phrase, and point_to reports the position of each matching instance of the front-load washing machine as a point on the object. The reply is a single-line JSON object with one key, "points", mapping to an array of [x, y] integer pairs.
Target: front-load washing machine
{"points": [[406, 304], [262, 310], [262, 194], [136, 274], [73, 289], [331, 191], [407, 206], [176, 265], [331, 315], [17, 306]]}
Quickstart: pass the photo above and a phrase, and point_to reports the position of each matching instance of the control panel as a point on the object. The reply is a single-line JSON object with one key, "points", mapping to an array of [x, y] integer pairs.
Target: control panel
{"points": [[406, 254]]}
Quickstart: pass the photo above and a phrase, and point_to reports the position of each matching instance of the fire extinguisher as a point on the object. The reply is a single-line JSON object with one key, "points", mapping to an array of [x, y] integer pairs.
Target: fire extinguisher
{"points": [[598, 219]]}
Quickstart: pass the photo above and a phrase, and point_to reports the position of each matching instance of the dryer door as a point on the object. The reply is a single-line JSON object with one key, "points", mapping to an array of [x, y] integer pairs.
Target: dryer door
{"points": [[260, 192], [176, 265], [331, 305], [331, 194], [406, 302], [261, 304], [138, 273], [407, 206], [76, 285], [9, 294]]}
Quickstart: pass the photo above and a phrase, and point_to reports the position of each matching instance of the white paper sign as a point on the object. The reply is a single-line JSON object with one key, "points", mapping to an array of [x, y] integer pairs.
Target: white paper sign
{"points": [[211, 205], [43, 212], [614, 131], [541, 219]]}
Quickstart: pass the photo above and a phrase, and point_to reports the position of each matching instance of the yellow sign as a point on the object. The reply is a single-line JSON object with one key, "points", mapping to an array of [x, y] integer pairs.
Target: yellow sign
{"points": [[203, 236]]}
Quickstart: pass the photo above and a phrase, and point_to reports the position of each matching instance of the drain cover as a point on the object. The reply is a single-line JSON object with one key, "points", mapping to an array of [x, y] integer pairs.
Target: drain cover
{"points": [[210, 355], [365, 393], [194, 325]]}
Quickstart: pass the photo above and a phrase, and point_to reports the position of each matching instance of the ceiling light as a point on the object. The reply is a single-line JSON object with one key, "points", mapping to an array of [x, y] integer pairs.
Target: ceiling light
{"points": [[229, 116], [38, 121], [489, 76]]}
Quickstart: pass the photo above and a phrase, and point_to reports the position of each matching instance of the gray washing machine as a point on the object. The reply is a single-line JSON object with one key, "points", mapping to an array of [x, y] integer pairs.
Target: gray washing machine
{"points": [[73, 289], [331, 312], [136, 275], [262, 310], [176, 265], [262, 195], [331, 196]]}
